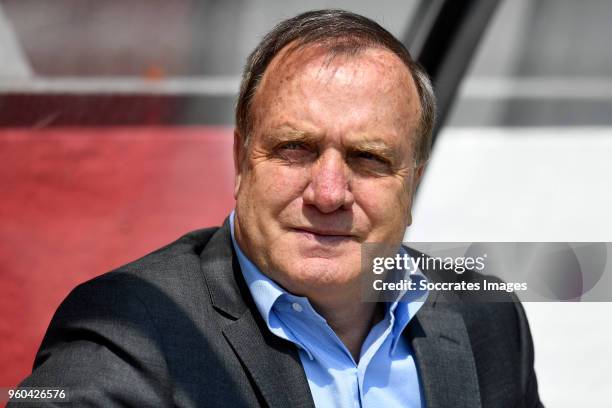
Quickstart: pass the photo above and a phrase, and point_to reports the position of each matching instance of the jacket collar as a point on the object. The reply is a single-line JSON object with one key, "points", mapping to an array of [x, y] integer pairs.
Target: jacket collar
{"points": [[443, 350], [273, 364], [219, 263]]}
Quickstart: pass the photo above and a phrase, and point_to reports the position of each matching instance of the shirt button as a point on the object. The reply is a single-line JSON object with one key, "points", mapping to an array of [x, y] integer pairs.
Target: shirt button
{"points": [[297, 307]]}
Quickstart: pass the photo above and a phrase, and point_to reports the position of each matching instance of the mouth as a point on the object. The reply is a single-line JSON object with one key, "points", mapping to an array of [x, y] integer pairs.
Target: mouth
{"points": [[325, 236]]}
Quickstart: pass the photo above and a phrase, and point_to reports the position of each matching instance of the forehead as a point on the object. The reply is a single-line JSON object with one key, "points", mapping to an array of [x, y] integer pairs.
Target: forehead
{"points": [[370, 83]]}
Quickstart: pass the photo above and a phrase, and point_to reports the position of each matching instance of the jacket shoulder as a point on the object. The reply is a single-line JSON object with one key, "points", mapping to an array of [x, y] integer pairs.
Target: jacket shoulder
{"points": [[114, 329], [189, 245]]}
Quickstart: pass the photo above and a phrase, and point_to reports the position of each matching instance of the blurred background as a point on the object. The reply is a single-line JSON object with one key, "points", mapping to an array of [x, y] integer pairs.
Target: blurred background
{"points": [[115, 138]]}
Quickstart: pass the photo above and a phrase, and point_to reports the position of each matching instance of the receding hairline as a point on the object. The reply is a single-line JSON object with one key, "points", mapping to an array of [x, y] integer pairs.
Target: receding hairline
{"points": [[332, 50]]}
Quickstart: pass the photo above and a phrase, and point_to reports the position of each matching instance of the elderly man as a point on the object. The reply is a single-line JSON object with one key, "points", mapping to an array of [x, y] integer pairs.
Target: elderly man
{"points": [[333, 129]]}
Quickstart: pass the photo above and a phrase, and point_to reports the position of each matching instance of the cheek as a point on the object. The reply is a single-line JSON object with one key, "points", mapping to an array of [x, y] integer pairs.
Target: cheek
{"points": [[272, 185], [386, 203]]}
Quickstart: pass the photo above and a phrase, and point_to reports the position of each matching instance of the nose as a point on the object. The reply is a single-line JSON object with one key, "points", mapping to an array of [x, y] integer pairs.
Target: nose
{"points": [[329, 188]]}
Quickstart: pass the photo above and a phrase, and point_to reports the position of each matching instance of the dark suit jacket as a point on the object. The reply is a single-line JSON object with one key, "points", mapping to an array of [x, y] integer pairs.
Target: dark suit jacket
{"points": [[179, 328]]}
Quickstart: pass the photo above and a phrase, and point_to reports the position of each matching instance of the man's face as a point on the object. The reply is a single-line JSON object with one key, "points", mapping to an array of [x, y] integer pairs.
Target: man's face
{"points": [[329, 165]]}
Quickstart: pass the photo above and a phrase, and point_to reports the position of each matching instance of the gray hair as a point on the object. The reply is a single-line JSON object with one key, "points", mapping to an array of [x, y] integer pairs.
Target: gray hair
{"points": [[341, 32]]}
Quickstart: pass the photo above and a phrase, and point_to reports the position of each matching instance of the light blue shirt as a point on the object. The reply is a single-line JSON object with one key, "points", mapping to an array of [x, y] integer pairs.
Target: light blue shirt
{"points": [[386, 375]]}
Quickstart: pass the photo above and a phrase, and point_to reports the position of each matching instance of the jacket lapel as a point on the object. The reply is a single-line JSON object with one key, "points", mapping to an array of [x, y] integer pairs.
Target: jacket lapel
{"points": [[442, 348], [444, 357], [272, 363]]}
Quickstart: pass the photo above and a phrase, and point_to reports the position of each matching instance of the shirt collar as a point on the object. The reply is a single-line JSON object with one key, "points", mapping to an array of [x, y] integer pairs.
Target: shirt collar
{"points": [[408, 303], [267, 294]]}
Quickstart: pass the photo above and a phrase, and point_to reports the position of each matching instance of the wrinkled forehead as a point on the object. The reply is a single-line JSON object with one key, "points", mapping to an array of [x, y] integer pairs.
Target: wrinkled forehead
{"points": [[370, 72]]}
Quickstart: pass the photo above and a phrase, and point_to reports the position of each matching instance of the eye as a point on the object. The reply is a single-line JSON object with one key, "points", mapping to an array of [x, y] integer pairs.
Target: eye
{"points": [[295, 152], [292, 146], [369, 163], [371, 156]]}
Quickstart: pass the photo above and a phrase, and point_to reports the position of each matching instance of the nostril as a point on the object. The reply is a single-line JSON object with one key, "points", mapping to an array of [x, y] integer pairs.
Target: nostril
{"points": [[331, 198], [328, 190]]}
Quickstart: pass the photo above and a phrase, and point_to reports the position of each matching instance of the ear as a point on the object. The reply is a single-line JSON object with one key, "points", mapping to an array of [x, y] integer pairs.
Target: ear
{"points": [[238, 157], [418, 175], [416, 180]]}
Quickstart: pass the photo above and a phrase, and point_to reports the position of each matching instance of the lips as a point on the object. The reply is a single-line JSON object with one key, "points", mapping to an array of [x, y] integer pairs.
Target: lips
{"points": [[324, 233]]}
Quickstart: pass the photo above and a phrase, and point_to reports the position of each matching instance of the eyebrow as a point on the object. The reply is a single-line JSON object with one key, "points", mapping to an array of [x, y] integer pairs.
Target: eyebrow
{"points": [[373, 146], [287, 134]]}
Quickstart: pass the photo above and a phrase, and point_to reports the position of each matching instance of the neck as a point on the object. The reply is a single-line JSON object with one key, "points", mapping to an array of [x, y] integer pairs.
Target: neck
{"points": [[350, 321]]}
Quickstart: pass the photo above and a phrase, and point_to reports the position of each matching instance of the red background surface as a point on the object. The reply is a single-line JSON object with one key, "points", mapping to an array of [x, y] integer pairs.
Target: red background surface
{"points": [[78, 202]]}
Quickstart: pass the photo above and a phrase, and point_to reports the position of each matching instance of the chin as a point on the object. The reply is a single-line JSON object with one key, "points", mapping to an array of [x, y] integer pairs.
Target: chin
{"points": [[301, 275]]}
